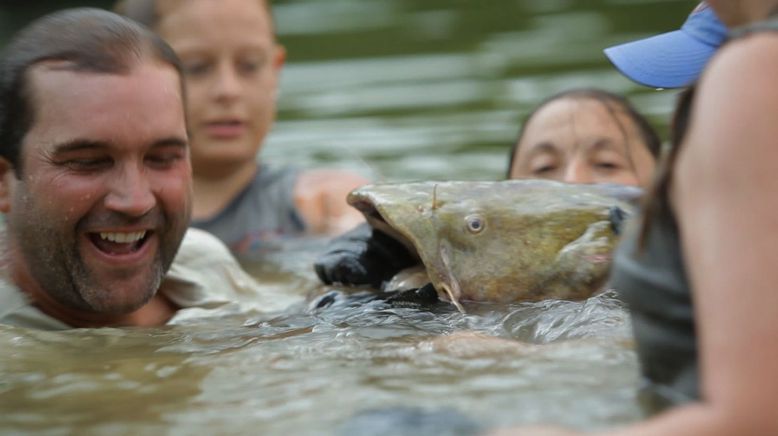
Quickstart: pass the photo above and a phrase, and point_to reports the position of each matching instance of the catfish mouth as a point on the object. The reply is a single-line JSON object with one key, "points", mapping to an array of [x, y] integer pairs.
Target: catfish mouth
{"points": [[447, 285], [377, 221]]}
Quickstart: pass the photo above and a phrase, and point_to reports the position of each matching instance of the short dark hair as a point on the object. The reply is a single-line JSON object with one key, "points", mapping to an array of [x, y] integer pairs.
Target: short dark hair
{"points": [[612, 102], [87, 40], [148, 12], [145, 12]]}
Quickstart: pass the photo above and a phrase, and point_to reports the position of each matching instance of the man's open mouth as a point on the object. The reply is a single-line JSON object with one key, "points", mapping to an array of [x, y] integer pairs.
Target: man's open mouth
{"points": [[119, 243]]}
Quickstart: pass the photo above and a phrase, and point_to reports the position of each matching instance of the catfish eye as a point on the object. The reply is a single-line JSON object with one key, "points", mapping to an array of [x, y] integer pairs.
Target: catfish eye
{"points": [[475, 224]]}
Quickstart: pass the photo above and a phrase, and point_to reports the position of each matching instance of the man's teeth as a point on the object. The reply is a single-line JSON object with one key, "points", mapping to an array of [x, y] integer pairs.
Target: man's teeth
{"points": [[122, 238]]}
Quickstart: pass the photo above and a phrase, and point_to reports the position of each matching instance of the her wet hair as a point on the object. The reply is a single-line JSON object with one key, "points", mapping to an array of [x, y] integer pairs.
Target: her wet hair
{"points": [[82, 40], [613, 103], [656, 202]]}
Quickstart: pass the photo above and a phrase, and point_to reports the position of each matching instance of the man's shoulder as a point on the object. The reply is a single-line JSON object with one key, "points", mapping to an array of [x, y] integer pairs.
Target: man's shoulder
{"points": [[199, 246], [205, 275], [17, 310], [202, 263], [11, 298]]}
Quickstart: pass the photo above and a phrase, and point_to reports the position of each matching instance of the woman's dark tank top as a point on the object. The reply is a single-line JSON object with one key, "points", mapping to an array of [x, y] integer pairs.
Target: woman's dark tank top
{"points": [[652, 280]]}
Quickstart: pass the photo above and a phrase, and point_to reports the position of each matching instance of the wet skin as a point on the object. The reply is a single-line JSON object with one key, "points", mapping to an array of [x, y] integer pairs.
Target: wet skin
{"points": [[105, 194], [578, 140]]}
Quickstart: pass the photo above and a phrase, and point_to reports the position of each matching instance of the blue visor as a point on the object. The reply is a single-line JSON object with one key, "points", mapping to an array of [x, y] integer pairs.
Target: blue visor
{"points": [[674, 59]]}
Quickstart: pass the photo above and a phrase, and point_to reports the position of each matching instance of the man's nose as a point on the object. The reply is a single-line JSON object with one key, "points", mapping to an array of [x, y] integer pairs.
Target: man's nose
{"points": [[577, 172], [130, 192]]}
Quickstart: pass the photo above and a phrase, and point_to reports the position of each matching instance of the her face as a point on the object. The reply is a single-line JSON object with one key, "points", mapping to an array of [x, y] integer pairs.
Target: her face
{"points": [[578, 140], [231, 67]]}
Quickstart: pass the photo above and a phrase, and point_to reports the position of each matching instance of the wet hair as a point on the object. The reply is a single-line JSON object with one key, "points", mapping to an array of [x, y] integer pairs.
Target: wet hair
{"points": [[150, 12], [656, 202], [83, 40], [613, 103]]}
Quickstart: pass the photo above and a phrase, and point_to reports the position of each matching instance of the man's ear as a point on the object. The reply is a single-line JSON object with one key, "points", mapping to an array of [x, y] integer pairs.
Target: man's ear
{"points": [[7, 180]]}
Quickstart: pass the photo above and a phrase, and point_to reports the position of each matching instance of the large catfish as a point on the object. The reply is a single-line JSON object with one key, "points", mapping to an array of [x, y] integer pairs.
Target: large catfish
{"points": [[503, 241]]}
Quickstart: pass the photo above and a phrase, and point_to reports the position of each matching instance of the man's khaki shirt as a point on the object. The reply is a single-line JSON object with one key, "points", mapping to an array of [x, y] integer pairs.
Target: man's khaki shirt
{"points": [[204, 279]]}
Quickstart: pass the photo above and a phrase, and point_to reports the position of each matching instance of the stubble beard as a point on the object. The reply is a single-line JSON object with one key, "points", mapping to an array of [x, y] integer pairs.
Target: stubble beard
{"points": [[56, 264]]}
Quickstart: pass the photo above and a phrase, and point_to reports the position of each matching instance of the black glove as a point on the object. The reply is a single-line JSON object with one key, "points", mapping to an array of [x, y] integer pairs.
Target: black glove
{"points": [[362, 256]]}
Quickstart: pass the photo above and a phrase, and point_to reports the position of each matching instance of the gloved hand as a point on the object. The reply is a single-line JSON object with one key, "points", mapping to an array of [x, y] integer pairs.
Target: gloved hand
{"points": [[362, 256]]}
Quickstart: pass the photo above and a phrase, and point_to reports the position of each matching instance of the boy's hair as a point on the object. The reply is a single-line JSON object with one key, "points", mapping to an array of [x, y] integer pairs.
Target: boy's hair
{"points": [[149, 12]]}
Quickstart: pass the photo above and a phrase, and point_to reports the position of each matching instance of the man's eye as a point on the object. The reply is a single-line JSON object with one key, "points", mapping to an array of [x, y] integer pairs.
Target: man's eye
{"points": [[88, 164], [164, 160]]}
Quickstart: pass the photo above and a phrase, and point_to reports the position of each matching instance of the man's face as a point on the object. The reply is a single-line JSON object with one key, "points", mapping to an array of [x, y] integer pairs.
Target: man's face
{"points": [[105, 194]]}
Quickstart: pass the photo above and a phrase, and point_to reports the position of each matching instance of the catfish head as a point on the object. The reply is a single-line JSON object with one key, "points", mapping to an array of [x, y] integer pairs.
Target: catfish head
{"points": [[504, 241]]}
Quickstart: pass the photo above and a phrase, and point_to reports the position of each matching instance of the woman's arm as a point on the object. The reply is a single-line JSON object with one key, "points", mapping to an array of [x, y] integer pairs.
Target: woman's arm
{"points": [[726, 199]]}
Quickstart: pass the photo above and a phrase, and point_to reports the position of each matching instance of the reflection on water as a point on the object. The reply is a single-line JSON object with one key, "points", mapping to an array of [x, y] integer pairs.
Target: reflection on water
{"points": [[397, 89], [101, 380]]}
